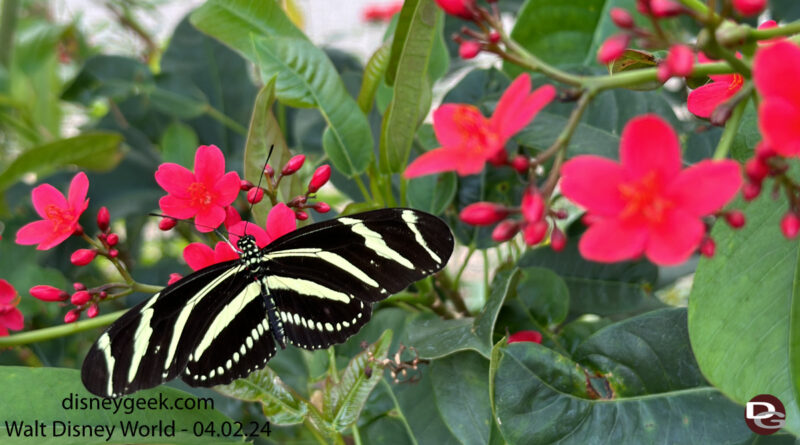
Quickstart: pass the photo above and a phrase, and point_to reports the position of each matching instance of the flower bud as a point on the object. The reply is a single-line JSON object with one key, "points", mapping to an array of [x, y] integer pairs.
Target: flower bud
{"points": [[469, 49], [321, 207], [48, 293], [613, 48], [764, 151], [665, 8], [255, 195], [245, 185], [520, 163], [505, 230], [78, 231], [93, 310], [622, 18], [293, 165], [680, 60], [167, 223], [78, 286], [558, 240], [82, 257], [483, 213], [790, 225], [112, 239], [321, 176], [72, 316], [103, 294], [522, 336], [113, 253], [749, 7], [756, 169], [708, 247], [534, 233], [103, 219], [532, 205], [174, 277], [560, 214], [466, 9], [301, 215], [735, 219], [751, 190], [80, 298], [494, 36], [269, 171]]}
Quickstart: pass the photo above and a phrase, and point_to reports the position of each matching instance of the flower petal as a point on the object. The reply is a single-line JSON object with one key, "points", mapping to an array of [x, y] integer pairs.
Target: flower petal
{"points": [[209, 219], [3, 331], [46, 195], [705, 187], [775, 70], [209, 164], [223, 252], [674, 241], [78, 189], [280, 221], [176, 207], [593, 183], [34, 233], [507, 121], [703, 100], [435, 161], [175, 179], [446, 126], [53, 239], [779, 122], [7, 292], [241, 228], [227, 189], [198, 255], [608, 241], [13, 319], [649, 144]]}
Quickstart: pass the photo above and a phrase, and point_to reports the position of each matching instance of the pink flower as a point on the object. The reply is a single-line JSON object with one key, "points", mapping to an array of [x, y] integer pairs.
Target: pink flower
{"points": [[775, 69], [703, 100], [466, 9], [525, 336], [203, 194], [469, 139], [646, 204], [381, 13], [10, 316], [59, 215], [199, 255]]}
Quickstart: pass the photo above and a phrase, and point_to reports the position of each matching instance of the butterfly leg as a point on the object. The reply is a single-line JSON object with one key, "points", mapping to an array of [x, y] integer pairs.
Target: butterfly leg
{"points": [[275, 323]]}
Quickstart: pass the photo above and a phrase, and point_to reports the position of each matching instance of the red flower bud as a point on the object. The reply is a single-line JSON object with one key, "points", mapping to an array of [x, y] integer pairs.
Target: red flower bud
{"points": [[764, 151], [749, 7], [465, 9], [756, 169], [505, 230], [494, 36], [245, 185], [167, 223], [558, 240], [48, 293], [255, 195], [80, 298], [321, 176], [708, 247], [93, 310], [612, 48], [173, 277], [522, 336], [469, 49], [72, 316], [680, 60], [113, 253], [520, 163], [103, 219], [751, 190], [735, 219], [112, 239], [483, 213], [532, 205], [82, 257], [534, 233], [78, 231], [321, 207], [103, 294], [301, 215], [790, 225], [78, 286], [293, 165], [102, 237], [622, 18], [665, 8], [269, 171]]}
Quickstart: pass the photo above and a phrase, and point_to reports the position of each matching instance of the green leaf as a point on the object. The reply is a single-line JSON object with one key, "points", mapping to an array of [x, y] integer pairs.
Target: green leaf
{"points": [[432, 193], [574, 333], [278, 401], [412, 89], [597, 288], [744, 310], [103, 76], [306, 77], [178, 144], [93, 150], [544, 295], [435, 338], [462, 396], [29, 396], [648, 354], [523, 389], [264, 133], [373, 75], [401, 31], [586, 139]]}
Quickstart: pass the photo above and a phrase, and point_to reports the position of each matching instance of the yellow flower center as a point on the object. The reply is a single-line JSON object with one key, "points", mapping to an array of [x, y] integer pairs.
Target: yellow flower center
{"points": [[736, 82], [62, 219], [199, 196], [644, 199], [476, 135]]}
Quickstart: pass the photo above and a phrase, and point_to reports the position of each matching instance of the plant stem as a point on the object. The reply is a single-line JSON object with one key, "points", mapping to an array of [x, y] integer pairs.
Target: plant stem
{"points": [[559, 146], [729, 133], [461, 269], [8, 25], [400, 412], [63, 330], [362, 187], [332, 365], [785, 30], [638, 77]]}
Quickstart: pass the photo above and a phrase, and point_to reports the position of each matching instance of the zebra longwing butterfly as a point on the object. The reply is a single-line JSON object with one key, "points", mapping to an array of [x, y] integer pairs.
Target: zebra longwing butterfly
{"points": [[310, 288]]}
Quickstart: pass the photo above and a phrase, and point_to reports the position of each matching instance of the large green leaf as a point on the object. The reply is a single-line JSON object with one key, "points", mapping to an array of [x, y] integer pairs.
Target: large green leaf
{"points": [[744, 311], [307, 78], [373, 74], [432, 193], [412, 89], [29, 397], [92, 150]]}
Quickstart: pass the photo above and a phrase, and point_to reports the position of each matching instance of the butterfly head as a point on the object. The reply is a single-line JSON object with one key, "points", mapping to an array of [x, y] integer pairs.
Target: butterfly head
{"points": [[247, 245]]}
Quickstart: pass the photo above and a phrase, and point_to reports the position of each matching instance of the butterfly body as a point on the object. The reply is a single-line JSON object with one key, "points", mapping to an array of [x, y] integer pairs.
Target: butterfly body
{"points": [[311, 288]]}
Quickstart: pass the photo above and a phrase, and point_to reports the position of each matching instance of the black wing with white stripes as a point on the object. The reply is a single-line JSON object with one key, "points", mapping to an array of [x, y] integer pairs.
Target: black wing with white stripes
{"points": [[311, 288]]}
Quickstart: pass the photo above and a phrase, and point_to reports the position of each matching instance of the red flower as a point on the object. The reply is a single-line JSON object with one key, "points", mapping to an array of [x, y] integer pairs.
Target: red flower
{"points": [[469, 139], [381, 13], [529, 336], [749, 7], [775, 69], [202, 194], [466, 9], [10, 316], [703, 100], [59, 215], [199, 255], [647, 204]]}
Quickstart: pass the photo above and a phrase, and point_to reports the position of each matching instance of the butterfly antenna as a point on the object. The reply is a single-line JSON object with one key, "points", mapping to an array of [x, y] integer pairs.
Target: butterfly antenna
{"points": [[260, 177]]}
